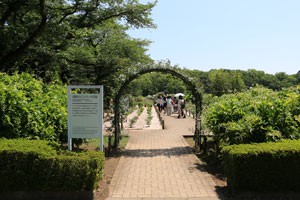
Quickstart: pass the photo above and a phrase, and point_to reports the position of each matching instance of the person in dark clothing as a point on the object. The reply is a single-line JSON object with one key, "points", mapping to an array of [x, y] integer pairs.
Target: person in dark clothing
{"points": [[181, 107]]}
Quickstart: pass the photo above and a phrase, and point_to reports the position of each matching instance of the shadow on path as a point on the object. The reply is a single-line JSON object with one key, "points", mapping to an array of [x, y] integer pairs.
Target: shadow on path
{"points": [[174, 151]]}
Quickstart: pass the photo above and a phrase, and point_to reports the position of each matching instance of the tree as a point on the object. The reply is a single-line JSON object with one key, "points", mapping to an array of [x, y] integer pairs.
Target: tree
{"points": [[237, 83], [71, 37], [153, 83], [200, 78], [225, 81], [252, 77], [285, 80]]}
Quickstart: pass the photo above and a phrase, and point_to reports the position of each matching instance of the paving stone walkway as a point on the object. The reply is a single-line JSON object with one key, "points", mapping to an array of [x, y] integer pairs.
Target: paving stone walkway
{"points": [[159, 164]]}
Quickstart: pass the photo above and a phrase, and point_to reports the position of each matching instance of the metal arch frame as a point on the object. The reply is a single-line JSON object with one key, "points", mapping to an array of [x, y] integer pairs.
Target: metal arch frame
{"points": [[191, 86]]}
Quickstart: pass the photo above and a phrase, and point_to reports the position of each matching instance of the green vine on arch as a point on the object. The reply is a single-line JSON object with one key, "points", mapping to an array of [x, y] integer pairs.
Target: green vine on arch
{"points": [[166, 70]]}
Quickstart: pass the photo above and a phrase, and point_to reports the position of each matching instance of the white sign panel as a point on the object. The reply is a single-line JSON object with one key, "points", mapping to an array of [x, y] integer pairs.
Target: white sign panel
{"points": [[85, 114]]}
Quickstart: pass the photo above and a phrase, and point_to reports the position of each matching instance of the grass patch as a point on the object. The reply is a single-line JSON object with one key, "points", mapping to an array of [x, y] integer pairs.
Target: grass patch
{"points": [[190, 141], [93, 144]]}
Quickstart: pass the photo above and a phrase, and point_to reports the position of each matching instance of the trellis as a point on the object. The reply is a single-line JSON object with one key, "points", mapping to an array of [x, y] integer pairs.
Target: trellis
{"points": [[190, 86]]}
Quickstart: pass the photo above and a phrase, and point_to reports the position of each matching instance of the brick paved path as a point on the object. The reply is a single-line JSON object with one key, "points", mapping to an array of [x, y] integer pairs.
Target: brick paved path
{"points": [[159, 164]]}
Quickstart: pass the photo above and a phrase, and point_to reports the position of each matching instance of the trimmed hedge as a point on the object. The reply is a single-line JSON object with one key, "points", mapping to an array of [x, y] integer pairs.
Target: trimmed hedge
{"points": [[264, 167], [36, 165]]}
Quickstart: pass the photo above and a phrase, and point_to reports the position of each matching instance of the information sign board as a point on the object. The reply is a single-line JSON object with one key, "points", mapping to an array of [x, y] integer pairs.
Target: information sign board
{"points": [[85, 114]]}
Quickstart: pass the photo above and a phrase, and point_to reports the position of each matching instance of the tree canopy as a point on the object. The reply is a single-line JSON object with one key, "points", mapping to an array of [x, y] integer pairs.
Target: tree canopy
{"points": [[69, 39]]}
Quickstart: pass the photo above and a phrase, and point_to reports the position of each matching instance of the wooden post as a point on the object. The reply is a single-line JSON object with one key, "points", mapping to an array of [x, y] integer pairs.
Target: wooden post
{"points": [[109, 143], [122, 125], [205, 144]]}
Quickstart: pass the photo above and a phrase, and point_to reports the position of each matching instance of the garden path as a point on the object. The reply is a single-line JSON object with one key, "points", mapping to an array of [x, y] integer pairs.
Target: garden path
{"points": [[159, 164], [141, 122]]}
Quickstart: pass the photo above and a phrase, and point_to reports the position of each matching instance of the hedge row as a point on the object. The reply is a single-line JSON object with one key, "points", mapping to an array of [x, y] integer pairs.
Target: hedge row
{"points": [[264, 167], [36, 165]]}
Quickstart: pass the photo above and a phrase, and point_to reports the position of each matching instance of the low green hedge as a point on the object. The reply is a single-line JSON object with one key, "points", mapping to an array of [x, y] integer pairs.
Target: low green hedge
{"points": [[36, 165], [264, 167]]}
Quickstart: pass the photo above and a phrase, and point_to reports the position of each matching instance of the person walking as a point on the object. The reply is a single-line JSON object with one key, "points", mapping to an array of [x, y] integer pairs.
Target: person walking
{"points": [[175, 100], [169, 105], [181, 107], [165, 104], [160, 103]]}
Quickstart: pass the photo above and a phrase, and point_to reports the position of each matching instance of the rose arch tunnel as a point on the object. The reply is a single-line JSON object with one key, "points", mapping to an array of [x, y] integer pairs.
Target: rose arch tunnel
{"points": [[190, 86]]}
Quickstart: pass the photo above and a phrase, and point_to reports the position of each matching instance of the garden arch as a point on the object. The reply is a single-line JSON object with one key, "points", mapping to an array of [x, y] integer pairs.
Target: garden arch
{"points": [[190, 86]]}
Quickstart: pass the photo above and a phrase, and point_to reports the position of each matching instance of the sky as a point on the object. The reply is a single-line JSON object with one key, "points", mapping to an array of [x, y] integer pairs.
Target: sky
{"points": [[229, 34]]}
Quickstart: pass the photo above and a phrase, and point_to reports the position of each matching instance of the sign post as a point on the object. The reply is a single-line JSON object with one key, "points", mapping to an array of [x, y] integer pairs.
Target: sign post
{"points": [[85, 113]]}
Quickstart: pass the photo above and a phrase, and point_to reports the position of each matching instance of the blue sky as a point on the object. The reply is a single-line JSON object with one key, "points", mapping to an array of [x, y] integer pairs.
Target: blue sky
{"points": [[231, 34]]}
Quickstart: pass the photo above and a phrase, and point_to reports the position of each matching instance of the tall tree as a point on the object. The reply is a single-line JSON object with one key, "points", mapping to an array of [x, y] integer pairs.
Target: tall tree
{"points": [[237, 83], [71, 37], [153, 83], [285, 80]]}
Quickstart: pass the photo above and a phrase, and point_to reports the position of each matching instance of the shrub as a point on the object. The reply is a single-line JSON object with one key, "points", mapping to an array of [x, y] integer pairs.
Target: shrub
{"points": [[30, 165], [133, 121], [31, 109], [149, 115], [258, 115], [263, 167]]}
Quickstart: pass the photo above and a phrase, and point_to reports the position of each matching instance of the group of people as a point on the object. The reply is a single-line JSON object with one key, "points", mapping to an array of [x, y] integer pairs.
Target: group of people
{"points": [[171, 105]]}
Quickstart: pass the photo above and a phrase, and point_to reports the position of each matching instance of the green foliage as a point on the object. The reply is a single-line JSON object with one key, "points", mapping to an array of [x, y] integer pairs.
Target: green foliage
{"points": [[225, 81], [140, 110], [258, 115], [133, 121], [31, 109], [152, 83], [31, 165], [35, 28], [149, 115], [135, 118], [215, 82], [264, 167], [77, 42], [123, 141]]}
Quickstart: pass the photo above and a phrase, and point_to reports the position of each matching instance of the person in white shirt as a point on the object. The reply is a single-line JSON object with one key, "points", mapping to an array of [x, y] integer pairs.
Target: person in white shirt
{"points": [[170, 104]]}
